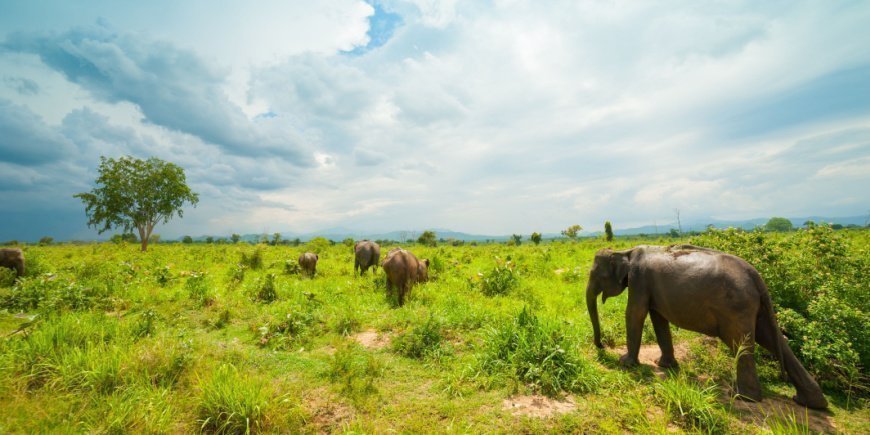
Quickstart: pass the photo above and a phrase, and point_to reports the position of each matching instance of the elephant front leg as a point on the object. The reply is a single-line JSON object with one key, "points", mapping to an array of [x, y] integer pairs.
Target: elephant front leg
{"points": [[634, 317], [663, 336]]}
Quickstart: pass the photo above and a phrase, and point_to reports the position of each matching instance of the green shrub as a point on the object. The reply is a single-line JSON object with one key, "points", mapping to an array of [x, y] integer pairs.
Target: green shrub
{"points": [[286, 325], [265, 290], [536, 353], [231, 403], [423, 341], [254, 260], [291, 267], [198, 289], [693, 406], [499, 280], [355, 371]]}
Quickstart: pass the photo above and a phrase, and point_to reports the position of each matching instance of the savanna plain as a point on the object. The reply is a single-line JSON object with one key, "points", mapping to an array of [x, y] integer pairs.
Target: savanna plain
{"points": [[232, 338]]}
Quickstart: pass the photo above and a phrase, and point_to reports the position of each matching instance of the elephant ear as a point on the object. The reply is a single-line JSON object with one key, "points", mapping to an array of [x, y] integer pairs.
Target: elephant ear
{"points": [[619, 265], [426, 261]]}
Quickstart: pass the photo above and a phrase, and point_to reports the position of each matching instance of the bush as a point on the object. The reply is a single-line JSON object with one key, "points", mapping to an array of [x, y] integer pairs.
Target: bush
{"points": [[265, 291], [286, 325], [423, 341], [231, 403], [538, 354], [499, 280], [254, 260], [198, 289], [355, 371]]}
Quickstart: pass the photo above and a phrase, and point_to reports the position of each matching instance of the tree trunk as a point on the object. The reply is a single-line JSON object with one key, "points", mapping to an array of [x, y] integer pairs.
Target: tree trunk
{"points": [[143, 238]]}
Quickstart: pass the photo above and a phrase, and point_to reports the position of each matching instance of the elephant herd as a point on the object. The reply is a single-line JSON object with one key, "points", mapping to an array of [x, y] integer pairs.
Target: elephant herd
{"points": [[402, 268], [697, 289]]}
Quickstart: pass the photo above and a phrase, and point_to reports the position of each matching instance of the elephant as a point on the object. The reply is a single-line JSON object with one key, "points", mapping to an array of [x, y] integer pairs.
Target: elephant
{"points": [[308, 263], [13, 258], [702, 290], [366, 254], [403, 270]]}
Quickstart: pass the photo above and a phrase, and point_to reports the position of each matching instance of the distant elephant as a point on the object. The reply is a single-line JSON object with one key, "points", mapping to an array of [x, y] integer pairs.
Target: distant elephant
{"points": [[308, 263], [403, 270], [12, 258], [366, 254], [701, 290]]}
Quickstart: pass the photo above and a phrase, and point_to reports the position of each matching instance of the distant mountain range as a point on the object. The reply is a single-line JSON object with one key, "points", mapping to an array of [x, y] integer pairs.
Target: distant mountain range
{"points": [[338, 234]]}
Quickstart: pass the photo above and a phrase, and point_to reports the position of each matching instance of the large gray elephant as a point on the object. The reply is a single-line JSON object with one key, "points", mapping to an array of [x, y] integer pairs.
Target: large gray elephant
{"points": [[308, 263], [403, 270], [366, 254], [13, 258], [701, 290]]}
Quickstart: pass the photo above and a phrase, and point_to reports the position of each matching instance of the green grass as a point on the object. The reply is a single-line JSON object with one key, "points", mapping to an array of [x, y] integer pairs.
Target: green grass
{"points": [[230, 338]]}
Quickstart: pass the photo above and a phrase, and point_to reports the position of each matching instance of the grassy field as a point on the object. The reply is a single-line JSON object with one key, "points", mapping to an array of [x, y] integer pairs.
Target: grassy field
{"points": [[230, 338]]}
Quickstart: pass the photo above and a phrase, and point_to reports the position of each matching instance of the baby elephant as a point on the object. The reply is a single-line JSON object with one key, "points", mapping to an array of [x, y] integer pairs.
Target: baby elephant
{"points": [[12, 258], [403, 270], [308, 263]]}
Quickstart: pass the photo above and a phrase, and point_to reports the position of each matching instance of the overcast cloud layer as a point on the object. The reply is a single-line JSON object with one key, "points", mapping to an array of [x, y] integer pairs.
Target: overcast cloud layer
{"points": [[487, 117]]}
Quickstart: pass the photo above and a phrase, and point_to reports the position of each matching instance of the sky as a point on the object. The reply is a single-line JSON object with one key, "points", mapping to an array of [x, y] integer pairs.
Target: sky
{"points": [[488, 117]]}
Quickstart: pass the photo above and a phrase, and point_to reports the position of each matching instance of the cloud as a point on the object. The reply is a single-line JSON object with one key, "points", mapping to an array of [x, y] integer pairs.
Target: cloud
{"points": [[491, 117], [22, 85], [26, 140], [173, 88]]}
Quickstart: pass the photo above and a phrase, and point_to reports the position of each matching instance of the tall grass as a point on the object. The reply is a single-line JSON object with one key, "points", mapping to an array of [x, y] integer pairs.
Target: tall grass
{"points": [[231, 403], [693, 405]]}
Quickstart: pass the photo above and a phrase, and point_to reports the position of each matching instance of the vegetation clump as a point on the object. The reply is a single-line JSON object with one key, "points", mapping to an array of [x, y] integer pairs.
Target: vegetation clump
{"points": [[536, 353]]}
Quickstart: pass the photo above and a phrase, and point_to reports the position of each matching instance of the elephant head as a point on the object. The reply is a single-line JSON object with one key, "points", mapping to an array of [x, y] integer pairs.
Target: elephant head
{"points": [[423, 270], [609, 275]]}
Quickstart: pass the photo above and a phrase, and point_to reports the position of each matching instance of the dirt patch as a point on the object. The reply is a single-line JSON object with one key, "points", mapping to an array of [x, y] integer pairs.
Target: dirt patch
{"points": [[783, 408], [559, 271], [372, 339], [538, 406], [649, 353], [327, 413]]}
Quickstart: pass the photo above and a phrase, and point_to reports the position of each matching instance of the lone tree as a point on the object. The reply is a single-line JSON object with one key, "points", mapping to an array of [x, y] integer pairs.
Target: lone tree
{"points": [[235, 238], [428, 238], [608, 231], [535, 238], [572, 232], [779, 224], [518, 239], [133, 193]]}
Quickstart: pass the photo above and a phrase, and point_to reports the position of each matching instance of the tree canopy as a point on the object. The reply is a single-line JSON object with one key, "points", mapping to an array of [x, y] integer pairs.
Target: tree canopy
{"points": [[608, 231], [778, 224], [428, 238], [134, 193], [572, 232]]}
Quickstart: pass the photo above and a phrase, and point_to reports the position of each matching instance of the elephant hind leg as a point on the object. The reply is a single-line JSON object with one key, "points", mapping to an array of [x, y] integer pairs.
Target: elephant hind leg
{"points": [[808, 392], [742, 344]]}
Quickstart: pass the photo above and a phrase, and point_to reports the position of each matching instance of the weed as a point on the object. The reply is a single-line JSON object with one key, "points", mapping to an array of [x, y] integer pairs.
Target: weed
{"points": [[693, 405], [423, 341], [265, 291], [231, 403], [499, 280], [538, 354], [198, 289], [355, 371]]}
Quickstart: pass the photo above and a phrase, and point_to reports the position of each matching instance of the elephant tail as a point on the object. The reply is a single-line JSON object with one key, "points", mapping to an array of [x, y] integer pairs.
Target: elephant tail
{"points": [[770, 316]]}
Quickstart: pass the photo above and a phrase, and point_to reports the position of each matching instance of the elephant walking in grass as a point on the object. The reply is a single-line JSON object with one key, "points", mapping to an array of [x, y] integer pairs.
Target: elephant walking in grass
{"points": [[366, 254], [701, 290], [403, 270], [13, 258], [308, 263]]}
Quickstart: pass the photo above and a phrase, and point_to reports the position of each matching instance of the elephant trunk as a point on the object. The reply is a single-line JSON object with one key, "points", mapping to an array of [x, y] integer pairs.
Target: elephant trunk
{"points": [[592, 306]]}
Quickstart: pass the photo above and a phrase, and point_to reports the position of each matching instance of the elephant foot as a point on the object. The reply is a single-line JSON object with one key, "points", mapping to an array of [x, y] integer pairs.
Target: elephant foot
{"points": [[667, 362], [812, 403], [628, 361]]}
